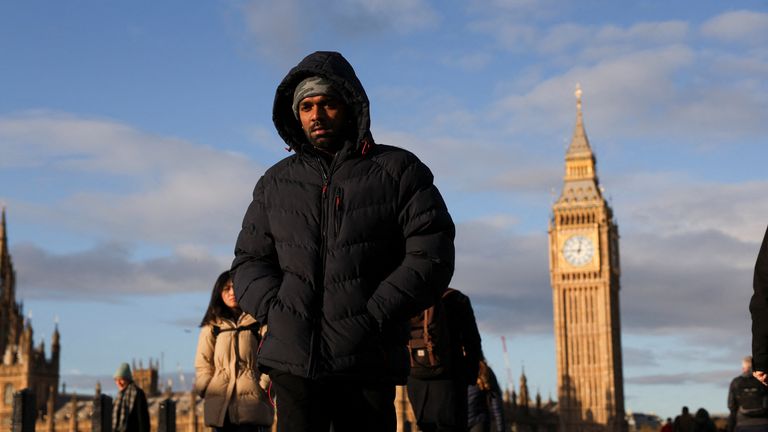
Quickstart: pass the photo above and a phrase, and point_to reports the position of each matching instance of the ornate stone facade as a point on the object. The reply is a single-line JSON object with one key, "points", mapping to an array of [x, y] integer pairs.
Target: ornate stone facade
{"points": [[23, 364], [584, 270]]}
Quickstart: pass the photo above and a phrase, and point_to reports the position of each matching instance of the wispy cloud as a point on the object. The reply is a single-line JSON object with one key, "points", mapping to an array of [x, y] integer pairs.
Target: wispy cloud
{"points": [[279, 31], [110, 272], [506, 276], [129, 185], [402, 16], [742, 26], [275, 29], [720, 378], [639, 357], [679, 276], [672, 204]]}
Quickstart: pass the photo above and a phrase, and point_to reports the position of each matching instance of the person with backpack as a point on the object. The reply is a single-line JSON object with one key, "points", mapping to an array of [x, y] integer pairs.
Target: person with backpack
{"points": [[747, 401], [445, 356], [233, 390]]}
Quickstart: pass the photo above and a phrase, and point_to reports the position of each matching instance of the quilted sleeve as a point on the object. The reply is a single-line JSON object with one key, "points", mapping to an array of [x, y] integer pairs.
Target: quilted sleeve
{"points": [[428, 264], [256, 271]]}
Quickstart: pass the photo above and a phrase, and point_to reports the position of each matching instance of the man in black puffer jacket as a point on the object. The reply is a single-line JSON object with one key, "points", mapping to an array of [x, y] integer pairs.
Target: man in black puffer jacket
{"points": [[343, 242], [758, 307]]}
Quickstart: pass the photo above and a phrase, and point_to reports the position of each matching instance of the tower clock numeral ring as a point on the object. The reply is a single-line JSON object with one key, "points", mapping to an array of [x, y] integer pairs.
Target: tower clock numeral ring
{"points": [[578, 250]]}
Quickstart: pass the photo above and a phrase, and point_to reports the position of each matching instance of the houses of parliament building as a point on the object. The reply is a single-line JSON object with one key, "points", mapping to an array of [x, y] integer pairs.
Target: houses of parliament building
{"points": [[584, 275]]}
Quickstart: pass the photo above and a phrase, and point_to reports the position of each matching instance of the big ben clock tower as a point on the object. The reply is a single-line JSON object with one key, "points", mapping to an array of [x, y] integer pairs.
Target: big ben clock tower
{"points": [[584, 271]]}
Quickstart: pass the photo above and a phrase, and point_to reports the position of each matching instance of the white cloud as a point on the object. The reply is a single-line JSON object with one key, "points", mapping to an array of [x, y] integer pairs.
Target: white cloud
{"points": [[402, 16], [517, 10], [276, 28], [743, 26], [593, 43], [721, 378], [675, 205], [281, 31], [655, 80], [687, 254], [640, 95], [109, 272], [97, 145], [473, 61], [644, 33], [505, 274], [129, 185], [510, 35], [526, 178]]}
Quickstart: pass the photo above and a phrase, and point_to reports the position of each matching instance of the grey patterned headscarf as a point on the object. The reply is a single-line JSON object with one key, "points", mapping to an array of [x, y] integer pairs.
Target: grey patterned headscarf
{"points": [[313, 86]]}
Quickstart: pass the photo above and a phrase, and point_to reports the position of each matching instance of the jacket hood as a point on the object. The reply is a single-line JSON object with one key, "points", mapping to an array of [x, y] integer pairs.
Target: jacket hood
{"points": [[335, 68]]}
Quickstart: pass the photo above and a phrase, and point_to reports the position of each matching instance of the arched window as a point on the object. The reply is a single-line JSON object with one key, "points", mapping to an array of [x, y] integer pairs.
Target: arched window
{"points": [[8, 394]]}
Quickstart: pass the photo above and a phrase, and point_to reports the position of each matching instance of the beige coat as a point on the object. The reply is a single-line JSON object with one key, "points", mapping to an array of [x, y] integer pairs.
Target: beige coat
{"points": [[229, 385]]}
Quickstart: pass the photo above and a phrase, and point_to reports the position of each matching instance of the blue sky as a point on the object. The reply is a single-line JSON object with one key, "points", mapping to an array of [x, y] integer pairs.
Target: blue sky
{"points": [[132, 134]]}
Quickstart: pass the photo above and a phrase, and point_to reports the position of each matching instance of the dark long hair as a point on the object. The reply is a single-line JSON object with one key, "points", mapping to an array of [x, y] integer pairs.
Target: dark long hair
{"points": [[216, 307]]}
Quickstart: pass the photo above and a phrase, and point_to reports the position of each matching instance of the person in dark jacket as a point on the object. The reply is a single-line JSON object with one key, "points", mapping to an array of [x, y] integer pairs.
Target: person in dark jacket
{"points": [[746, 400], [684, 422], [343, 242], [440, 403], [130, 412], [702, 421], [758, 307], [484, 402]]}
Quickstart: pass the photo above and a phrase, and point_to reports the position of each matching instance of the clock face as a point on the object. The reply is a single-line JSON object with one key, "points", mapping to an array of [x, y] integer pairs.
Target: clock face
{"points": [[578, 250]]}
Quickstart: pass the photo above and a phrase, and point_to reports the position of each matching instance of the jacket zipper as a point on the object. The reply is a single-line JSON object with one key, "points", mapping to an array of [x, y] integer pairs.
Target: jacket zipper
{"points": [[314, 344]]}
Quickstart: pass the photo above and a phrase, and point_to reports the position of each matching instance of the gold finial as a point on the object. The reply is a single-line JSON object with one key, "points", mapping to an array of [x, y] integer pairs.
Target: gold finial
{"points": [[578, 93]]}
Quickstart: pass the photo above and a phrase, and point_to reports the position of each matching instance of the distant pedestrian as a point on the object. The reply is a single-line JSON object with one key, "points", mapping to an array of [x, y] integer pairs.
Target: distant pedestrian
{"points": [[484, 402], [129, 411], [758, 307], [233, 390], [702, 422], [667, 426], [684, 422], [445, 357], [747, 401]]}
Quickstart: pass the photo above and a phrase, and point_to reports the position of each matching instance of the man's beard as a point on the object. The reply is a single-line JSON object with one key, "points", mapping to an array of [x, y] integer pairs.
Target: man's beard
{"points": [[331, 142]]}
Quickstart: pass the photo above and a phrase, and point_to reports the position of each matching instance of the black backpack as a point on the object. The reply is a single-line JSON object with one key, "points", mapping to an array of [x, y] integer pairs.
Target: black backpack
{"points": [[752, 397], [430, 342]]}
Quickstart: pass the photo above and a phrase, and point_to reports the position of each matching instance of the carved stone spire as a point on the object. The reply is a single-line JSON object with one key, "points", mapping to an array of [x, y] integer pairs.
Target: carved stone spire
{"points": [[6, 268], [579, 143], [581, 183], [524, 396]]}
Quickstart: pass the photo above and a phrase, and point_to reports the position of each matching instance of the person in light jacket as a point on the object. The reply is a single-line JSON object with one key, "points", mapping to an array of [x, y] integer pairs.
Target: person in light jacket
{"points": [[233, 390]]}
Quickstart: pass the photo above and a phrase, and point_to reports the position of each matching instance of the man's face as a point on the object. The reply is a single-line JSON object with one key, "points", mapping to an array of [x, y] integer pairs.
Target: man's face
{"points": [[324, 121], [121, 383]]}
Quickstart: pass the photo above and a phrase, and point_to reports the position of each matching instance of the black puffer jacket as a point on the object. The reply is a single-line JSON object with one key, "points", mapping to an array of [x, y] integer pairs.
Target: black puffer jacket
{"points": [[758, 306], [336, 256]]}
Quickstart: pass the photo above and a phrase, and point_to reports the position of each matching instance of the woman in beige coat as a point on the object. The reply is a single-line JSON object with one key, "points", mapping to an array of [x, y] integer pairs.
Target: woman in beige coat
{"points": [[233, 390]]}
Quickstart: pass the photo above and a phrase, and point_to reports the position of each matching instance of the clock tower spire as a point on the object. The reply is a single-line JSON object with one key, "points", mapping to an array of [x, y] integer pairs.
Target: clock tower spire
{"points": [[581, 184], [584, 273]]}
